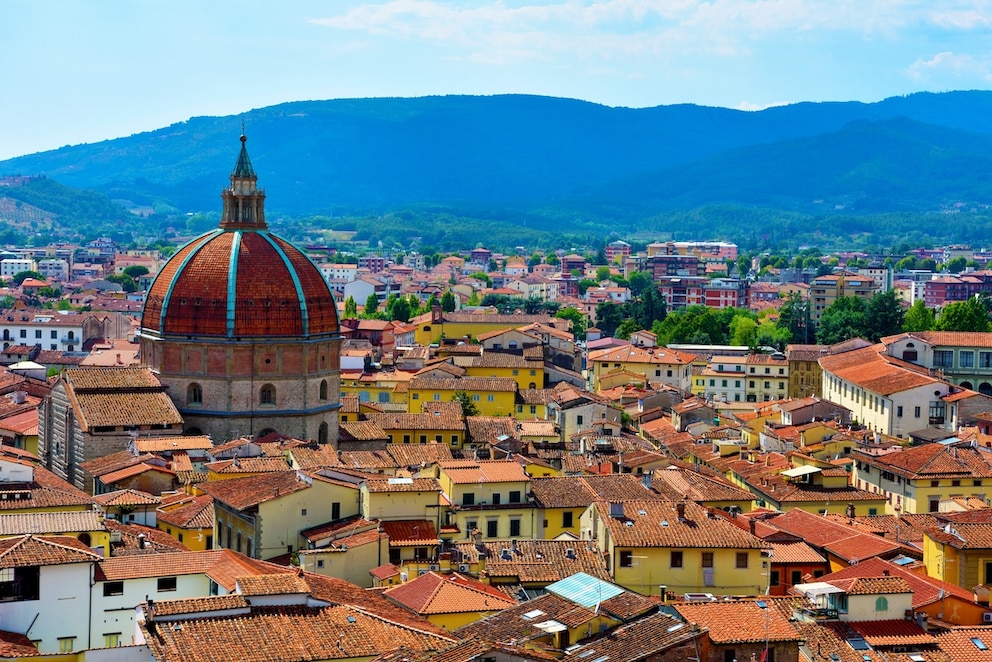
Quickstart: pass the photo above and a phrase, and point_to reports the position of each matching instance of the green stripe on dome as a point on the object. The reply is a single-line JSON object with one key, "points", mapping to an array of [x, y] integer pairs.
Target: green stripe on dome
{"points": [[304, 313], [204, 239], [232, 277]]}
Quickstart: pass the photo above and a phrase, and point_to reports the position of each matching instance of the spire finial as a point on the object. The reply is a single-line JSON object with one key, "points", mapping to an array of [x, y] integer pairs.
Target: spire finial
{"points": [[244, 138]]}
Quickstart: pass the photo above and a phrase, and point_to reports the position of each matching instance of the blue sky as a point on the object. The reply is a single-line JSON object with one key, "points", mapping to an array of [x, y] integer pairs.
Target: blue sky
{"points": [[78, 71]]}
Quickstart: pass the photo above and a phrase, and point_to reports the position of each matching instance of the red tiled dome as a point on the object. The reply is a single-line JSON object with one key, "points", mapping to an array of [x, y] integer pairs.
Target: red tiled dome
{"points": [[237, 284], [240, 280]]}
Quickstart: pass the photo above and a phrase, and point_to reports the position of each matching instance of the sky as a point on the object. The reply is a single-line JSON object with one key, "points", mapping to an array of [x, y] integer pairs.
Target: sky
{"points": [[81, 71]]}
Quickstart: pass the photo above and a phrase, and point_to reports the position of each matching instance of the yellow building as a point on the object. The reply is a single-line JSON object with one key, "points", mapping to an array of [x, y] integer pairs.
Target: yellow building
{"points": [[560, 502], [767, 378], [190, 520], [527, 369], [443, 428], [489, 496], [378, 387], [650, 546], [353, 409], [492, 396], [958, 551], [261, 516], [915, 480], [434, 326], [449, 601], [651, 364], [241, 467], [825, 290], [346, 548], [805, 374]]}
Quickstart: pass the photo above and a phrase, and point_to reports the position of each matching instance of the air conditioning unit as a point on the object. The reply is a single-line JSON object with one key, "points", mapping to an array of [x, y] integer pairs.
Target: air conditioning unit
{"points": [[435, 566], [463, 567], [987, 617], [422, 571]]}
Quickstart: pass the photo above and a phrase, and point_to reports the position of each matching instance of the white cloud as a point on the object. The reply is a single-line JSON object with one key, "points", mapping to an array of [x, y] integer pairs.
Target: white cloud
{"points": [[952, 65], [750, 107]]}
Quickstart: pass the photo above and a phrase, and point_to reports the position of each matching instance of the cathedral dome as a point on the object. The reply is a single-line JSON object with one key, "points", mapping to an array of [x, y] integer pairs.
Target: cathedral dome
{"points": [[240, 281]]}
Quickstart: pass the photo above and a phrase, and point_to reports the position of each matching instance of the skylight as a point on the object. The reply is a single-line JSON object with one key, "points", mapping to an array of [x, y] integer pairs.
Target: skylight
{"points": [[859, 644], [531, 615], [979, 644]]}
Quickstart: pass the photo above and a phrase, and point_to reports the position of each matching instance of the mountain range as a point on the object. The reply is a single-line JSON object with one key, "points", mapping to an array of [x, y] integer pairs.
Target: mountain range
{"points": [[900, 164]]}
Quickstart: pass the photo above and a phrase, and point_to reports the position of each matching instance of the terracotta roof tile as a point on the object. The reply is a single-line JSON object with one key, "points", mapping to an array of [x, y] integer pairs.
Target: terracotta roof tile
{"points": [[735, 622], [483, 471], [31, 550], [535, 561], [433, 593], [660, 526], [248, 492]]}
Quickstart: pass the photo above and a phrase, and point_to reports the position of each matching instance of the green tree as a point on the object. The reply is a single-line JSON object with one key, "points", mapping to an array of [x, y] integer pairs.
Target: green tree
{"points": [[552, 258], [577, 318], [400, 310], [473, 300], [482, 277], [918, 318], [350, 308], [793, 316], [585, 284], [602, 273], [448, 301], [371, 305], [627, 327], [956, 264], [608, 317], [136, 271], [7, 302], [125, 281], [638, 282], [431, 302], [22, 276], [465, 400], [842, 320], [968, 315], [885, 315]]}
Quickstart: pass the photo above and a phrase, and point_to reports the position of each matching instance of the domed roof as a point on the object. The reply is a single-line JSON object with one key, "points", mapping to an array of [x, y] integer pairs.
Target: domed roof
{"points": [[240, 280]]}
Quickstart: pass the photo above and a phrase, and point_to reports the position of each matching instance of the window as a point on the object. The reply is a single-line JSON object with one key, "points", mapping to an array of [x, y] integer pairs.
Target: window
{"points": [[454, 440], [66, 644], [943, 358], [741, 559], [676, 561], [514, 528], [492, 528], [626, 558], [113, 588], [881, 603], [194, 394], [166, 584], [491, 397], [303, 512], [796, 577], [112, 640], [383, 396], [475, 397], [775, 578], [323, 389], [416, 396], [578, 419], [985, 359], [966, 359], [267, 395], [55, 335], [468, 499], [470, 526], [514, 496], [899, 411], [37, 333], [707, 559], [497, 499], [437, 396], [533, 409], [916, 412], [567, 520], [24, 333]]}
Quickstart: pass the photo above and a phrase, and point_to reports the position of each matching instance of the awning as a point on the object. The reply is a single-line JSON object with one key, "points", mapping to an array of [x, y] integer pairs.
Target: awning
{"points": [[801, 471]]}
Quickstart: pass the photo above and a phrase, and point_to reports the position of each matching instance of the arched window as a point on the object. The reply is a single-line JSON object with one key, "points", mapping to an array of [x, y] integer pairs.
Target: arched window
{"points": [[881, 603], [323, 389], [194, 394], [322, 434], [267, 396]]}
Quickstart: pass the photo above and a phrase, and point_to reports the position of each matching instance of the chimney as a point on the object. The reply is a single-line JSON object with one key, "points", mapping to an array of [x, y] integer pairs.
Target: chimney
{"points": [[680, 509], [752, 525], [885, 572], [150, 612], [477, 540], [850, 511]]}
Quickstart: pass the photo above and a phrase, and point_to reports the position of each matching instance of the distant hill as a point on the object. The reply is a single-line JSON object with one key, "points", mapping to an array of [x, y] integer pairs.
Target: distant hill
{"points": [[558, 164]]}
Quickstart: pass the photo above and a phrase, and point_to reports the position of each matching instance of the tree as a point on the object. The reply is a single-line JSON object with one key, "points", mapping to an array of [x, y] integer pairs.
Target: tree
{"points": [[608, 317], [793, 316], [602, 273], [465, 400], [22, 276], [585, 284], [639, 281], [552, 258], [627, 327], [482, 277], [431, 302], [126, 282], [842, 320], [136, 271], [885, 315], [577, 318], [371, 304], [918, 318], [448, 301], [534, 260], [956, 264], [401, 310], [350, 308], [968, 315]]}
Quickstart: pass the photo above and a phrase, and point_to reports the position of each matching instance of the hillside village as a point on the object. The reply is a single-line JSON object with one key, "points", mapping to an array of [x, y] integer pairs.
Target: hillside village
{"points": [[181, 479]]}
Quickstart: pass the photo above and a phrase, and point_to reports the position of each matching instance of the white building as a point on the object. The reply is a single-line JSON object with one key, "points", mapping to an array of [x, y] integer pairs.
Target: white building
{"points": [[13, 266]]}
